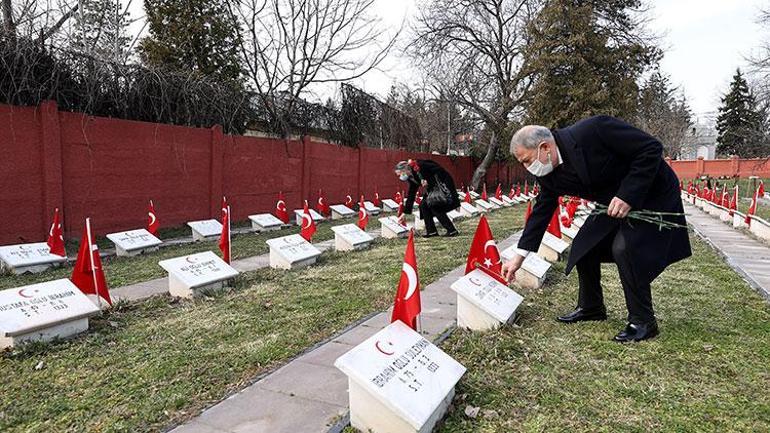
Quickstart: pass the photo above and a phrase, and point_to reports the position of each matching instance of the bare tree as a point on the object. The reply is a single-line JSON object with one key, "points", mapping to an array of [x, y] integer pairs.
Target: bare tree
{"points": [[473, 49], [39, 20], [289, 45]]}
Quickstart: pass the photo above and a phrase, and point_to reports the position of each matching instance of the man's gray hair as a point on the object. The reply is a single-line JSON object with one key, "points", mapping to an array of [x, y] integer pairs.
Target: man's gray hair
{"points": [[530, 136]]}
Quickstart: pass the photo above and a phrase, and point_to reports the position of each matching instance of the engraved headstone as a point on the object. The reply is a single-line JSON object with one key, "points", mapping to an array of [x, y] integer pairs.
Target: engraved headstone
{"points": [[483, 303], [197, 274], [22, 258], [134, 242], [340, 211], [265, 222], [291, 252], [371, 208], [552, 248], [531, 274], [497, 203], [398, 382], [391, 228], [483, 206], [205, 230], [43, 312], [388, 205], [468, 210], [348, 237], [317, 217]]}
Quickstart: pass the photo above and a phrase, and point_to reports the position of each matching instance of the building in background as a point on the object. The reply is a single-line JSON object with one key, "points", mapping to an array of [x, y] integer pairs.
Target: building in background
{"points": [[701, 140]]}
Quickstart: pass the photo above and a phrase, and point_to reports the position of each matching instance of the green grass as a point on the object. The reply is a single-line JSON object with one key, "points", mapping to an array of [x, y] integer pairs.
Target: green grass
{"points": [[144, 367], [121, 271], [708, 371]]}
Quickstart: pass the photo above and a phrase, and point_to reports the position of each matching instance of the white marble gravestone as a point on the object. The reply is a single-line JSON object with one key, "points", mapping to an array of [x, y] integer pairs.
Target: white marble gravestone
{"points": [[371, 208], [22, 258], [398, 382], [509, 201], [392, 229], [265, 222], [531, 274], [340, 211], [552, 248], [134, 242], [484, 303], [760, 228], [389, 205], [43, 312], [484, 206], [348, 237], [474, 195], [205, 230], [461, 194], [739, 220], [197, 274], [568, 233], [468, 210], [578, 221], [497, 203], [317, 217], [454, 214], [291, 252], [522, 198]]}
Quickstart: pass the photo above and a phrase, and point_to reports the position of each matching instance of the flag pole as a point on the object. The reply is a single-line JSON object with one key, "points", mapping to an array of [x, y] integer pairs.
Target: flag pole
{"points": [[229, 236], [91, 259]]}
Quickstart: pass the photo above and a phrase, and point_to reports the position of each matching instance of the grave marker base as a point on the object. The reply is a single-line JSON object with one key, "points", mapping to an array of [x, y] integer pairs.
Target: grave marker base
{"points": [[340, 244], [31, 269], [277, 261], [474, 318], [528, 280], [548, 253], [259, 228], [368, 414], [62, 330], [120, 252], [198, 237], [180, 290]]}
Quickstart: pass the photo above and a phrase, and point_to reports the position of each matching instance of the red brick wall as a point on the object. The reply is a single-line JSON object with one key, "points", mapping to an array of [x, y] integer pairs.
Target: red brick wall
{"points": [[733, 167], [108, 169]]}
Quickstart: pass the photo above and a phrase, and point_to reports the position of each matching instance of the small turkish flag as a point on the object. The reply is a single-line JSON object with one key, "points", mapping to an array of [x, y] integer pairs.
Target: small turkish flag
{"points": [[376, 202], [526, 188], [512, 193], [349, 201], [280, 209], [734, 201], [499, 192], [553, 226], [363, 215], [322, 207], [528, 212], [88, 274], [467, 196], [760, 192], [518, 189], [484, 252], [398, 198], [725, 199], [308, 225], [406, 306], [224, 240], [152, 220], [564, 217], [484, 192], [56, 236]]}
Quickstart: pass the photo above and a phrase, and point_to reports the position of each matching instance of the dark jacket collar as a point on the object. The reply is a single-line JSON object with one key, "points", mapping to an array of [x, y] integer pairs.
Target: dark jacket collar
{"points": [[574, 154]]}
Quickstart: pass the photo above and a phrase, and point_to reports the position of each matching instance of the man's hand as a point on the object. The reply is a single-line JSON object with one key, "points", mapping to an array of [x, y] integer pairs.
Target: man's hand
{"points": [[511, 266], [618, 208]]}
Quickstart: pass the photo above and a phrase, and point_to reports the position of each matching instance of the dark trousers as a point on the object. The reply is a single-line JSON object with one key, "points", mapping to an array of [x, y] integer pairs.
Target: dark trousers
{"points": [[427, 215], [614, 248]]}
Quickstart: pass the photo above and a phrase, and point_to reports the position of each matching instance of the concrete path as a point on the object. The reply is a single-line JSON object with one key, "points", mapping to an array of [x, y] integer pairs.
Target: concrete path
{"points": [[746, 255], [146, 289], [309, 394]]}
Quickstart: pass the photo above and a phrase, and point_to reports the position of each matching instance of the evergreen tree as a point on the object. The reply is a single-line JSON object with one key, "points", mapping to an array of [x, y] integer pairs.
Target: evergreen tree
{"points": [[664, 113], [101, 30], [586, 57], [740, 124], [191, 35]]}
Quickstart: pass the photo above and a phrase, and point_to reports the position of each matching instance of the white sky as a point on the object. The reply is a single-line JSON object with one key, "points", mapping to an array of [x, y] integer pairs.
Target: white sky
{"points": [[704, 42]]}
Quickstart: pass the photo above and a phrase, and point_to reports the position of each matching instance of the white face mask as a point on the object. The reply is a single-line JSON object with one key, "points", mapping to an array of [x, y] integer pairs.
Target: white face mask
{"points": [[403, 177], [539, 169]]}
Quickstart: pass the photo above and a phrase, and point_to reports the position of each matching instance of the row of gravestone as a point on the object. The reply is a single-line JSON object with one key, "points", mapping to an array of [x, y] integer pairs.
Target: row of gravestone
{"points": [[756, 225], [44, 311], [399, 382]]}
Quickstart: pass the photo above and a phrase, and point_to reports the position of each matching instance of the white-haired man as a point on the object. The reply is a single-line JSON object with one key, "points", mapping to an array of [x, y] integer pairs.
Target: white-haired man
{"points": [[608, 161]]}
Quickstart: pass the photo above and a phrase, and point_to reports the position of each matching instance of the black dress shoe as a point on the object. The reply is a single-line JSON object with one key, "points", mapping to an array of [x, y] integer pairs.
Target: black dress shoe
{"points": [[583, 315], [637, 332], [430, 235], [452, 234]]}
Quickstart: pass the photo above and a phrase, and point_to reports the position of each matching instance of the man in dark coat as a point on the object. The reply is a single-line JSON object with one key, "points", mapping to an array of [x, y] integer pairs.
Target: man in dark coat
{"points": [[605, 160], [436, 180]]}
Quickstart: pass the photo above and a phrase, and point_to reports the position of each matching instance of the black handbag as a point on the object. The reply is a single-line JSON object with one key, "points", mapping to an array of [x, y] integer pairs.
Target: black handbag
{"points": [[439, 196]]}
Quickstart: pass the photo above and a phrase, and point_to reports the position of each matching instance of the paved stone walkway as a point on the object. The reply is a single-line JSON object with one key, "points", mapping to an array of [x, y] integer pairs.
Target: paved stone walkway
{"points": [[309, 394], [746, 255]]}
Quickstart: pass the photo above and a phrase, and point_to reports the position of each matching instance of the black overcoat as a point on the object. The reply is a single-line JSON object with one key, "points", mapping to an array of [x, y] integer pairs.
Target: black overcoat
{"points": [[433, 173], [612, 158]]}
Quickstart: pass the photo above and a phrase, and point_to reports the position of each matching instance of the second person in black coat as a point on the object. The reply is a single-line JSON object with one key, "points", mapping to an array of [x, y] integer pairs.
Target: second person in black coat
{"points": [[429, 174]]}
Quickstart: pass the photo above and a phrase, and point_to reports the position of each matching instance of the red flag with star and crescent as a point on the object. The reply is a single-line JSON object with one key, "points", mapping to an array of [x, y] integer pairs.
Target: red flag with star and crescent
{"points": [[224, 239], [56, 236], [553, 227], [484, 195], [406, 306], [759, 192], [499, 192], [152, 220], [308, 225], [321, 206], [467, 196], [349, 201], [363, 215], [280, 209], [484, 252], [88, 274], [376, 202], [734, 201]]}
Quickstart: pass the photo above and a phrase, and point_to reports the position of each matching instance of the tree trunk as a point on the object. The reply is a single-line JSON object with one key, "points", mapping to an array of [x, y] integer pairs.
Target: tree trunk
{"points": [[9, 28], [489, 158]]}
